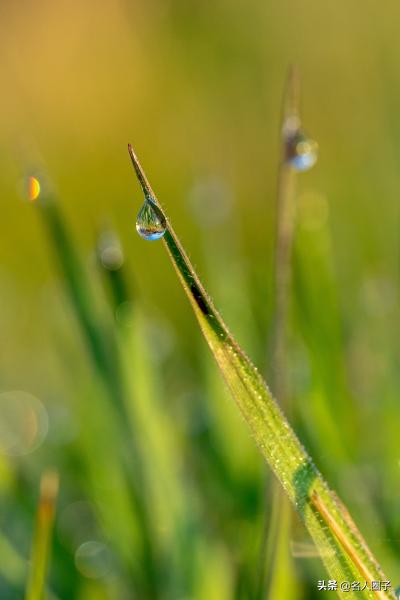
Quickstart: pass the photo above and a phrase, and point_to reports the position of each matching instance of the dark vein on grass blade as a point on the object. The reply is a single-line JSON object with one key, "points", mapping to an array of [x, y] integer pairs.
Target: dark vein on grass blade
{"points": [[277, 441]]}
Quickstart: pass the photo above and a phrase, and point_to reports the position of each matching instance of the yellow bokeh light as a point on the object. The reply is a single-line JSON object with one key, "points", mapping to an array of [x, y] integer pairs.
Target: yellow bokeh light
{"points": [[33, 189]]}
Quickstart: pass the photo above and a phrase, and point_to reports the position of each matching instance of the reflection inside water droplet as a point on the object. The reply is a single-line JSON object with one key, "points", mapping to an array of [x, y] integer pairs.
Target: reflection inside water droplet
{"points": [[23, 423], [301, 151], [150, 222]]}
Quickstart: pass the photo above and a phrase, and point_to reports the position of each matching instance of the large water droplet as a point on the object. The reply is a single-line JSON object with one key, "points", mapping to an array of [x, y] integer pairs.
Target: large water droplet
{"points": [[150, 222], [301, 151]]}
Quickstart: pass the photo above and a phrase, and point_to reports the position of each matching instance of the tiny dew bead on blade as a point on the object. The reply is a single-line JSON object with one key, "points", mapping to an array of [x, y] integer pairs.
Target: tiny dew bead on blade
{"points": [[301, 150]]}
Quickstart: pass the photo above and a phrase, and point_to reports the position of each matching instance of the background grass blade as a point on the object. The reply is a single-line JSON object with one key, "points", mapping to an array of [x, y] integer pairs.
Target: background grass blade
{"points": [[276, 564], [277, 441], [107, 363], [42, 536]]}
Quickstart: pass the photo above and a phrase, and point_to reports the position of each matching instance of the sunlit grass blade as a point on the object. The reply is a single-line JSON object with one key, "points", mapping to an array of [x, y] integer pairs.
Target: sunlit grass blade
{"points": [[41, 547], [275, 438], [342, 537]]}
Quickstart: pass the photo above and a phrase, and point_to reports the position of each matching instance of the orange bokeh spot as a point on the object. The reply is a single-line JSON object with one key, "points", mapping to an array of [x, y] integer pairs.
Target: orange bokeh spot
{"points": [[33, 189]]}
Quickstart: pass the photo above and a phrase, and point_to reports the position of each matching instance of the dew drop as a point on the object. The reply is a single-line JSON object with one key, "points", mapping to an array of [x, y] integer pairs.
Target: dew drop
{"points": [[301, 151], [150, 222]]}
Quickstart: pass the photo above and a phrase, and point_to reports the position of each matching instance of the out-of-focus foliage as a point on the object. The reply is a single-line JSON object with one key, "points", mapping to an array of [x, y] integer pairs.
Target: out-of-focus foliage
{"points": [[196, 87]]}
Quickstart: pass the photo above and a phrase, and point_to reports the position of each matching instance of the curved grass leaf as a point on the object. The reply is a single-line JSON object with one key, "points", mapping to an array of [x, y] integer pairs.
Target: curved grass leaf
{"points": [[341, 547]]}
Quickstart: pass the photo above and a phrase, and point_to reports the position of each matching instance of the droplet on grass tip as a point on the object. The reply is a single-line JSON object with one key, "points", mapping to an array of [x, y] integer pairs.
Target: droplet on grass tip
{"points": [[301, 151], [150, 222]]}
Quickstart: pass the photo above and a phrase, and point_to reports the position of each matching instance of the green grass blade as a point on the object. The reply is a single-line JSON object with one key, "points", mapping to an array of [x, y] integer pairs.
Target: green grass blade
{"points": [[103, 352], [42, 536], [271, 431], [278, 574]]}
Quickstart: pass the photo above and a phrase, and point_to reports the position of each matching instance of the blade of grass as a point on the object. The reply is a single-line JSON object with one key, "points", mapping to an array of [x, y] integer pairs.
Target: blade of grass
{"points": [[42, 536], [99, 343], [275, 543], [106, 361], [331, 415], [275, 438], [285, 223], [166, 495], [341, 536], [236, 469], [12, 564], [177, 526]]}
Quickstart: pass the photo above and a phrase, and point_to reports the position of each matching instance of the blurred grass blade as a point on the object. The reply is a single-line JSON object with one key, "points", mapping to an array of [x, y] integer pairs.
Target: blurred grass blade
{"points": [[12, 564], [285, 223], [280, 570], [99, 340], [270, 429], [103, 350], [276, 563], [42, 536]]}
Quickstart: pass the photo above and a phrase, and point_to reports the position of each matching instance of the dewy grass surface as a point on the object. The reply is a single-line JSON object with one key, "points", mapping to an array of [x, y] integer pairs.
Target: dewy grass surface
{"points": [[341, 547]]}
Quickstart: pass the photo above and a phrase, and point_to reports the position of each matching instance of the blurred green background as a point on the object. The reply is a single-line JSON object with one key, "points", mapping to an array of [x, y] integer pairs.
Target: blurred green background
{"points": [[196, 87]]}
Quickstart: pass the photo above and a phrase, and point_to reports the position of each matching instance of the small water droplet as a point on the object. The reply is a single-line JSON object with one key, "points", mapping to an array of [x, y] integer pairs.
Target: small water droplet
{"points": [[301, 151], [150, 222]]}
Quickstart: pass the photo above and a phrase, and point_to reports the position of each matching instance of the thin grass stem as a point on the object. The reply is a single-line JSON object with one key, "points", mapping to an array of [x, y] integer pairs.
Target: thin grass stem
{"points": [[285, 225], [41, 547]]}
